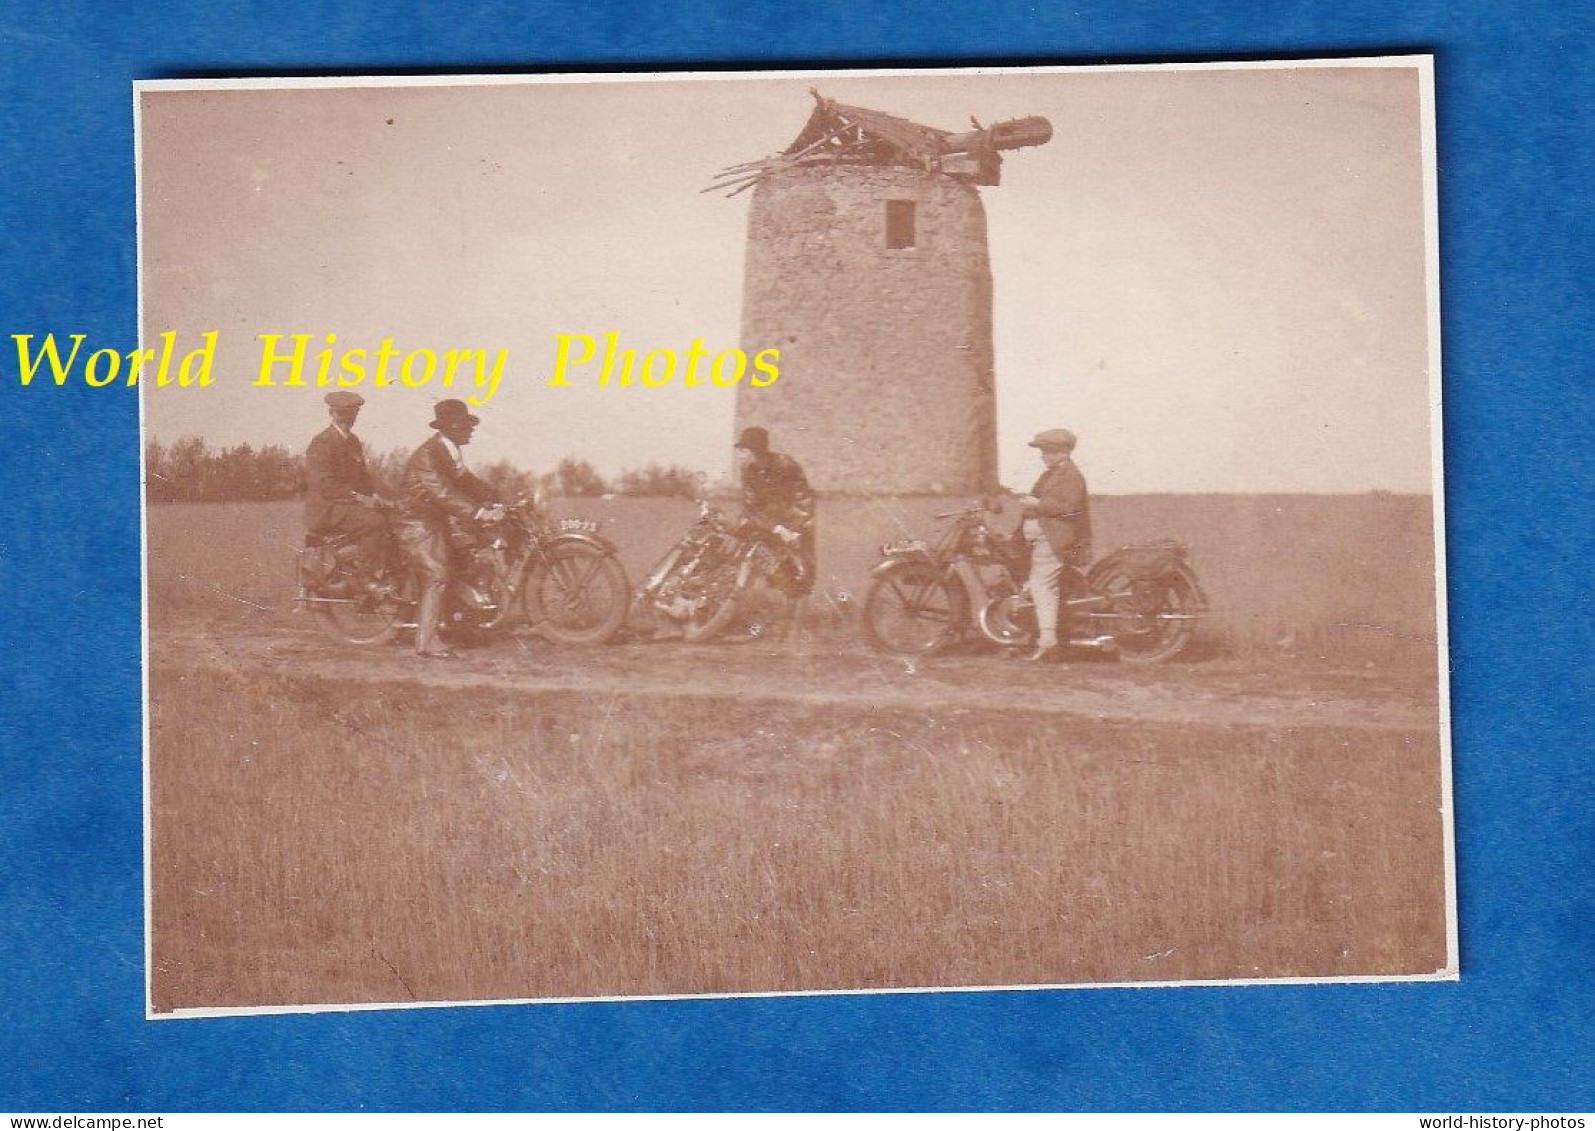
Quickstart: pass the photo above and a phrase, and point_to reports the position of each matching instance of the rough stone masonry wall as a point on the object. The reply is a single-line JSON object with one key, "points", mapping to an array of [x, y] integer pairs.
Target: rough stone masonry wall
{"points": [[886, 359]]}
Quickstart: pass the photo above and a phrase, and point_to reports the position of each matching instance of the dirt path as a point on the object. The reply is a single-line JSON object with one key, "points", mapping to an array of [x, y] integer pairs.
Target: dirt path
{"points": [[824, 674]]}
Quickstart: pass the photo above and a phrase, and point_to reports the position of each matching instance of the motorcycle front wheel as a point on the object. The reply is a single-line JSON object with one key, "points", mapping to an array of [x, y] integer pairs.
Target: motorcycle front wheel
{"points": [[1150, 622], [579, 596], [911, 609]]}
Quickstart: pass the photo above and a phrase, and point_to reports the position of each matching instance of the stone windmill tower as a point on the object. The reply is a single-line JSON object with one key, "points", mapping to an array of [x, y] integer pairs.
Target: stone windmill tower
{"points": [[867, 268]]}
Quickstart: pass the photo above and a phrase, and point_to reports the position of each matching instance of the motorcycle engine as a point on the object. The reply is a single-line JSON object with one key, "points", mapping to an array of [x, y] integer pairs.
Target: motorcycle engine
{"points": [[682, 607], [1010, 619]]}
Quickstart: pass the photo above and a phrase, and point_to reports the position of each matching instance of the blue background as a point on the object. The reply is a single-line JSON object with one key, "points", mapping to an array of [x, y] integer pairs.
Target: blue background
{"points": [[1515, 1033]]}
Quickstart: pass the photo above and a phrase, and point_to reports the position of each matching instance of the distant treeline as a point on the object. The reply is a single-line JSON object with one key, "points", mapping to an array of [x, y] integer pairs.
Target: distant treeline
{"points": [[189, 471]]}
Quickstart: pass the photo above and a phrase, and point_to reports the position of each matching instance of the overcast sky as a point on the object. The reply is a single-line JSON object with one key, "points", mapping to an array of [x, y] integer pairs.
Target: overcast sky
{"points": [[1215, 277]]}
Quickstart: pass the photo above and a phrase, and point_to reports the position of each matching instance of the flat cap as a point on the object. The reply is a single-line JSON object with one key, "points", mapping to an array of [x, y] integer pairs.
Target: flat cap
{"points": [[754, 439], [344, 399], [1058, 438]]}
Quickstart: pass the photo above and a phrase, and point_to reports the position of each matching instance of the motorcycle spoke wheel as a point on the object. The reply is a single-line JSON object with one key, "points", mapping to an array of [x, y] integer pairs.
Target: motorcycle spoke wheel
{"points": [[360, 620], [911, 611], [580, 597], [1150, 624]]}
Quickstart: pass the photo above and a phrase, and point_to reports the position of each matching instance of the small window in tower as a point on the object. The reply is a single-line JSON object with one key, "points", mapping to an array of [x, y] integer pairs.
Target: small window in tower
{"points": [[899, 223]]}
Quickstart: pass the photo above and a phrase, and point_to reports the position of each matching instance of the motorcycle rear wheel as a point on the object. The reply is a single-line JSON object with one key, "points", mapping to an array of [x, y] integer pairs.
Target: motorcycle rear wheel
{"points": [[912, 610], [363, 620], [1151, 625], [579, 597]]}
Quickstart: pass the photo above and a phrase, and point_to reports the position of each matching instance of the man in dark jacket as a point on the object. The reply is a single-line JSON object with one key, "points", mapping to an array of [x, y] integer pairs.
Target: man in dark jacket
{"points": [[441, 501], [1057, 524], [775, 492], [338, 485]]}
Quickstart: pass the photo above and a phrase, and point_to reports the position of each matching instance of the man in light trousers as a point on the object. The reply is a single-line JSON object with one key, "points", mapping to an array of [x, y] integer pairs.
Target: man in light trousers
{"points": [[1057, 524]]}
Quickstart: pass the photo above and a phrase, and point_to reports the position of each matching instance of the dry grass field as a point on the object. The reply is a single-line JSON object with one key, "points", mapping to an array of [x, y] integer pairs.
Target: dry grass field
{"points": [[321, 841], [334, 825]]}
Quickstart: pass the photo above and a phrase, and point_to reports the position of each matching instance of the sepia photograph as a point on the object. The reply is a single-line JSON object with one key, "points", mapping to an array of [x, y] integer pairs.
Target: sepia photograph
{"points": [[663, 535]]}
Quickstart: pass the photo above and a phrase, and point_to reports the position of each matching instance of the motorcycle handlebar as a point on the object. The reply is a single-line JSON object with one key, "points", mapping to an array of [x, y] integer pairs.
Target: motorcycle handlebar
{"points": [[985, 506]]}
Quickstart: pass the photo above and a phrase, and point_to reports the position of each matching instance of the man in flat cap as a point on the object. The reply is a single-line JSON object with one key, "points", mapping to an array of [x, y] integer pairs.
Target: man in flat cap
{"points": [[1057, 524], [441, 502], [339, 491], [776, 492]]}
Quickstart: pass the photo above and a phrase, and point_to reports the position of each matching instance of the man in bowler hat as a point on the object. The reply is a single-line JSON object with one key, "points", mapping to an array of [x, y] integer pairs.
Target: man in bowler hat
{"points": [[1057, 524], [441, 502], [776, 492], [339, 491]]}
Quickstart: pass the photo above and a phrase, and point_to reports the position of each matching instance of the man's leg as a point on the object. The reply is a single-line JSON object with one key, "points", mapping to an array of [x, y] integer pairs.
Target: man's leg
{"points": [[369, 529], [373, 534], [430, 613], [1045, 573], [428, 551], [808, 554]]}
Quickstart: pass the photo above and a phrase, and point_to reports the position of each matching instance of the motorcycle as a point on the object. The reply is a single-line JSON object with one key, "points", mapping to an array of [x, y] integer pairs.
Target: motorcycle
{"points": [[1142, 601], [708, 578], [560, 577]]}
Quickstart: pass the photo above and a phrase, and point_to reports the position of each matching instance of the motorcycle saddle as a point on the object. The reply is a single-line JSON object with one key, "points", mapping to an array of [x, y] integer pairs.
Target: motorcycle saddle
{"points": [[1149, 560]]}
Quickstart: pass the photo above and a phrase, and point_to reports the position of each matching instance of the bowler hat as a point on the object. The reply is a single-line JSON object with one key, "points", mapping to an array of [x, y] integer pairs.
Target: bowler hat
{"points": [[344, 399], [754, 439], [1056, 439], [448, 414]]}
